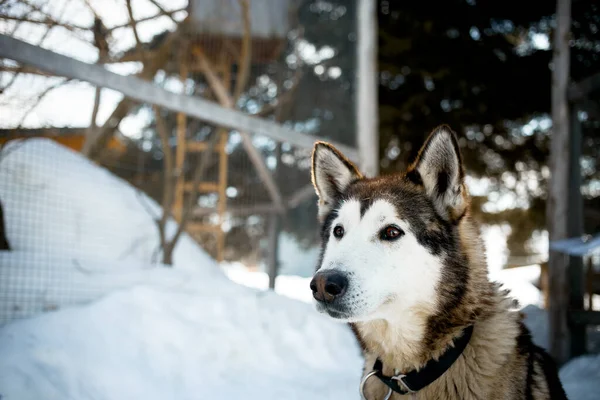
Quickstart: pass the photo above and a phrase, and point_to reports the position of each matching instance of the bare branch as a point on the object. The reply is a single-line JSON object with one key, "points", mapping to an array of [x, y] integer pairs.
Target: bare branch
{"points": [[95, 109], [39, 43], [89, 5], [49, 21], [160, 14], [168, 179], [163, 11], [133, 23], [92, 147]]}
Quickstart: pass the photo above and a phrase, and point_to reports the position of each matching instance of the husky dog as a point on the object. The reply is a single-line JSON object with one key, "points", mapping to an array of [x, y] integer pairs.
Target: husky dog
{"points": [[402, 262]]}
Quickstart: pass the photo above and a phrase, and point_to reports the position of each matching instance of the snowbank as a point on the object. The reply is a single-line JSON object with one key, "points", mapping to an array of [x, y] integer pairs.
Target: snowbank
{"points": [[581, 377], [222, 342], [58, 202], [76, 231], [32, 283]]}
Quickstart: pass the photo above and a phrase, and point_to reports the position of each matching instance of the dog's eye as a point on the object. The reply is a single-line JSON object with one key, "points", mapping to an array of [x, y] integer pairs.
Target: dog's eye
{"points": [[391, 232], [338, 232]]}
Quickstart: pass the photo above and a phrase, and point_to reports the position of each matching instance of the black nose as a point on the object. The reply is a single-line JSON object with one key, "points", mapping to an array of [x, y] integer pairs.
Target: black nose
{"points": [[328, 285]]}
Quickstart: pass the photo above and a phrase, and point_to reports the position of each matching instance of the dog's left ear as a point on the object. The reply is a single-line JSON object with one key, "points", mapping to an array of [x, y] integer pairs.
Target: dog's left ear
{"points": [[439, 169], [332, 173]]}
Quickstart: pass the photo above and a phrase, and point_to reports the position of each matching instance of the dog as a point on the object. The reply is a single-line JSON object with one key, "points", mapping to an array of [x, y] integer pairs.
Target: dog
{"points": [[403, 263]]}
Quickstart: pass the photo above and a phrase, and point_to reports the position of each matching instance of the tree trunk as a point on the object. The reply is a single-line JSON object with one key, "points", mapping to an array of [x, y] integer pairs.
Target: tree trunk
{"points": [[558, 186]]}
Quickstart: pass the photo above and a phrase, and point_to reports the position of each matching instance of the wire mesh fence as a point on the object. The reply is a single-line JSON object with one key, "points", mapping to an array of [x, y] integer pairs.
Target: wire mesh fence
{"points": [[92, 181]]}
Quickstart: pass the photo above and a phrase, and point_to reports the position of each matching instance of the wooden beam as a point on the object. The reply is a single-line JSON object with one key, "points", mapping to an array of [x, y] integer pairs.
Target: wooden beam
{"points": [[367, 121], [558, 187], [147, 92], [581, 89], [204, 187], [238, 211]]}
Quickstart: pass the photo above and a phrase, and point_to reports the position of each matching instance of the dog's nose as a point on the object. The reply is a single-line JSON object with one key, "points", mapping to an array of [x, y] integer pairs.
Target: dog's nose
{"points": [[328, 285]]}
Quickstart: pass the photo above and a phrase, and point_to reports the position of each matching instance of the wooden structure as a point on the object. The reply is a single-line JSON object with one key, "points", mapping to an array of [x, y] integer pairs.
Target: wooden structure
{"points": [[565, 205], [217, 26], [579, 317], [221, 35]]}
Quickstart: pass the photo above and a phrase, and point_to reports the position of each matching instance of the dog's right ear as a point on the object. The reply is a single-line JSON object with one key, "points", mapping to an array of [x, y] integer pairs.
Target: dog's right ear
{"points": [[332, 173]]}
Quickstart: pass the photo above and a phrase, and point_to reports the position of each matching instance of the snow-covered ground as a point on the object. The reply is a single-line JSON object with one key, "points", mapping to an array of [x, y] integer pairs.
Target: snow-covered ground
{"points": [[214, 341], [122, 326]]}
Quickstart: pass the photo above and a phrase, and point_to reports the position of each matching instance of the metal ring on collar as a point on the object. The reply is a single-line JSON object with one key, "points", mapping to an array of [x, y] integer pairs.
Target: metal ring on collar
{"points": [[362, 387]]}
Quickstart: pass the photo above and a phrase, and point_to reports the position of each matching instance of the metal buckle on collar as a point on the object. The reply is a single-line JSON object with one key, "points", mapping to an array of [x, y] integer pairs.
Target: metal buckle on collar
{"points": [[402, 383], [362, 387], [398, 378]]}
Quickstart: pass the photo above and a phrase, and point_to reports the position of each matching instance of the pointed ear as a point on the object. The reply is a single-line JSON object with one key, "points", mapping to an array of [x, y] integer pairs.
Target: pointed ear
{"points": [[332, 173], [439, 169]]}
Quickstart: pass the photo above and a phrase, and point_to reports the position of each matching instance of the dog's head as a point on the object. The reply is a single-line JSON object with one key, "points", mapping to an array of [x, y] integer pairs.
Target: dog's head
{"points": [[389, 243]]}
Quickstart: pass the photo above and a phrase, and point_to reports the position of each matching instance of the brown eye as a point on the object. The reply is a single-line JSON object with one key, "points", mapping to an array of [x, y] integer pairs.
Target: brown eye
{"points": [[338, 232], [391, 232]]}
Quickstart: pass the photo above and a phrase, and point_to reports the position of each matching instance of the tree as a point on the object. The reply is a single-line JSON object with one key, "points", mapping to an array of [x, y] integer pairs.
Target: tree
{"points": [[483, 68]]}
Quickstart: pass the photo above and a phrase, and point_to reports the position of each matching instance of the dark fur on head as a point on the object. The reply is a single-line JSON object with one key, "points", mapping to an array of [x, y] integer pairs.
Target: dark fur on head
{"points": [[432, 197]]}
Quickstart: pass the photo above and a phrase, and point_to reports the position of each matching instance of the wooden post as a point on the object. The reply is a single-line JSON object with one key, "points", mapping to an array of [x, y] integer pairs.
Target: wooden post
{"points": [[274, 231], [575, 228], [225, 67], [367, 121], [222, 205], [558, 186], [181, 145], [273, 249]]}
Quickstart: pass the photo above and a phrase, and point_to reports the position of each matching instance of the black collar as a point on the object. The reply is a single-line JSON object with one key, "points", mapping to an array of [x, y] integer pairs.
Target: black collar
{"points": [[414, 381]]}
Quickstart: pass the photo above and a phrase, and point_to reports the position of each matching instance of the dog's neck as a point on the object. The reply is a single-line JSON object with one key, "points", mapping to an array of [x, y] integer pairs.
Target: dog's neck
{"points": [[492, 343], [406, 342], [400, 346]]}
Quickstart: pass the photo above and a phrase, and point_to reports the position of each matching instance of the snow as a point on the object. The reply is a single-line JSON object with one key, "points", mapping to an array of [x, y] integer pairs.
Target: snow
{"points": [[69, 222], [207, 340], [32, 283], [581, 377], [295, 287], [56, 201]]}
